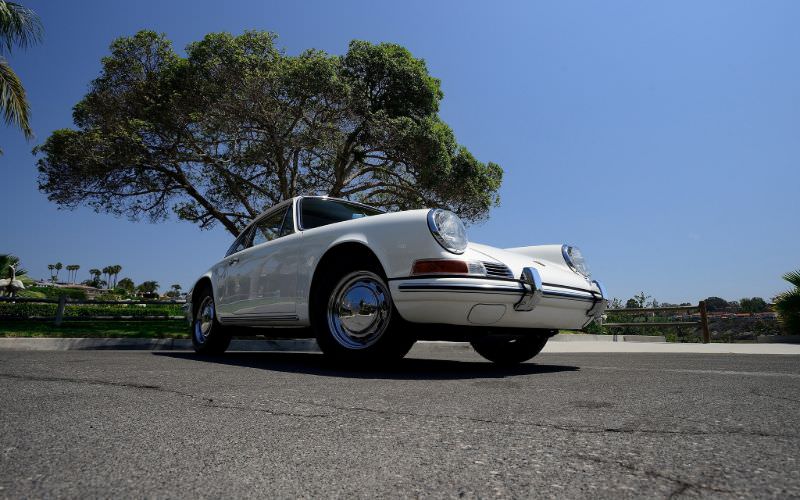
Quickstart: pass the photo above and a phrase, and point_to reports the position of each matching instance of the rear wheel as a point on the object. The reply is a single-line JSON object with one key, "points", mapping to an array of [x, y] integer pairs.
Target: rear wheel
{"points": [[354, 318], [511, 350], [208, 335]]}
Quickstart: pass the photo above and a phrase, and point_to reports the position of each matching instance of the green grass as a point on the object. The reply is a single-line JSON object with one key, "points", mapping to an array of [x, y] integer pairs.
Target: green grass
{"points": [[154, 329]]}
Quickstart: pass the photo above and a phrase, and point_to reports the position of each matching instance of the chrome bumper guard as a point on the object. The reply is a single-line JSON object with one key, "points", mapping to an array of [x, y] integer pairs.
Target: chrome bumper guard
{"points": [[600, 304], [532, 283]]}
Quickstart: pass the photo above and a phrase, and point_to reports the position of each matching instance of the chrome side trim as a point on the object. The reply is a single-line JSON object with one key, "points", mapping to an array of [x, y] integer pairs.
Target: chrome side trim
{"points": [[257, 319], [458, 287], [532, 283]]}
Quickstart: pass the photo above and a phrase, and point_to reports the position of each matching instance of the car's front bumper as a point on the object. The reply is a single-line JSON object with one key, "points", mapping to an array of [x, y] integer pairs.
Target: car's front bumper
{"points": [[470, 301]]}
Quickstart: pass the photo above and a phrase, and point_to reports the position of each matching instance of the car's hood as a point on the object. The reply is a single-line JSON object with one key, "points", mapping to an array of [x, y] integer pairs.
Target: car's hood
{"points": [[546, 259]]}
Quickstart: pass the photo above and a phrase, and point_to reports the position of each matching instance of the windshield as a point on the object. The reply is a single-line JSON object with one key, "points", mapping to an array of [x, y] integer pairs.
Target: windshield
{"points": [[316, 212]]}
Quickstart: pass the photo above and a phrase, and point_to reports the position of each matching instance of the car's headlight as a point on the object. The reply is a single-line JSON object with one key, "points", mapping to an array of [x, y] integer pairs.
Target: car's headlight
{"points": [[574, 259], [448, 230]]}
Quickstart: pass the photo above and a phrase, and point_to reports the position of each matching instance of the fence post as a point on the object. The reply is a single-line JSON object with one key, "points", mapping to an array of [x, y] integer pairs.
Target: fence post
{"points": [[62, 302], [704, 322]]}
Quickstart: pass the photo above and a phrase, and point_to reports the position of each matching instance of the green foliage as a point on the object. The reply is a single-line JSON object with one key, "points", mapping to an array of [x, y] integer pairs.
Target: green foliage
{"points": [[752, 305], [148, 287], [127, 285], [7, 260], [51, 292], [19, 27], [787, 304], [237, 126], [96, 329], [716, 304], [85, 311]]}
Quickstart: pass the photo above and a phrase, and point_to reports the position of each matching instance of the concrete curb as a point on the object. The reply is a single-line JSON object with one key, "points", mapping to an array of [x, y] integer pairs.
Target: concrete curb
{"points": [[47, 344], [307, 345], [558, 345]]}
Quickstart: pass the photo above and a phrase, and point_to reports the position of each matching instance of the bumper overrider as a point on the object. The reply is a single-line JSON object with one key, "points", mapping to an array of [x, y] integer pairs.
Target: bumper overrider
{"points": [[527, 302]]}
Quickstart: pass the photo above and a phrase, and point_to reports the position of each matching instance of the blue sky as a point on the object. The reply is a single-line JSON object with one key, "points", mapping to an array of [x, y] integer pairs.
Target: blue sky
{"points": [[661, 138]]}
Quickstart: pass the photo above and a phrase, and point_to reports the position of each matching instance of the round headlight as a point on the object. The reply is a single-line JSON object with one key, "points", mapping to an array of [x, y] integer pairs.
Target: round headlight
{"points": [[574, 259], [448, 230]]}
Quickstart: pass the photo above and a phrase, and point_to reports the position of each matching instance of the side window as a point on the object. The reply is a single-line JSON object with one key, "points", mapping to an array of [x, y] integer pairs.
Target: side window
{"points": [[240, 243], [268, 228], [288, 222]]}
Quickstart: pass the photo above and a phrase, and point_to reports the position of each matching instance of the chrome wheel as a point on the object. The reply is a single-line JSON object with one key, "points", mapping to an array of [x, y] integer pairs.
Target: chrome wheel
{"points": [[204, 320], [359, 310]]}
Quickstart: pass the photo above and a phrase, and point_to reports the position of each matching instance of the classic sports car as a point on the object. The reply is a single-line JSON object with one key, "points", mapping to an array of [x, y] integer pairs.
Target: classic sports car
{"points": [[368, 284]]}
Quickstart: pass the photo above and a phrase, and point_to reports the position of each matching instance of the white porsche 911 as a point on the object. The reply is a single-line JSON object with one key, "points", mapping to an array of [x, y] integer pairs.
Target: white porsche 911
{"points": [[367, 284]]}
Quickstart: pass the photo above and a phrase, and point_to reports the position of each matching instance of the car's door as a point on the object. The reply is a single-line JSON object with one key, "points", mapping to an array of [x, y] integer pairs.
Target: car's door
{"points": [[232, 287], [269, 267]]}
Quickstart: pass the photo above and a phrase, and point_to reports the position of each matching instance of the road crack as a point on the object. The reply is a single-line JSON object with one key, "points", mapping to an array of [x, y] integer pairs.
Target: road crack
{"points": [[210, 403], [682, 485]]}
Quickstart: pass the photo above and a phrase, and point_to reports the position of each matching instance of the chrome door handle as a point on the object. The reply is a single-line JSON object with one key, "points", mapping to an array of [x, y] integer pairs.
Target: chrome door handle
{"points": [[233, 261]]}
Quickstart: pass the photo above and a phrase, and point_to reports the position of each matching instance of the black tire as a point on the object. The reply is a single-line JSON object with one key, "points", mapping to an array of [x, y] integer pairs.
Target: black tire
{"points": [[383, 339], [505, 350], [209, 336]]}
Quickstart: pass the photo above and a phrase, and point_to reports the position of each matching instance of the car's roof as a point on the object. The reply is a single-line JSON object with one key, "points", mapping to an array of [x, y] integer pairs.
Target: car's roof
{"points": [[301, 197]]}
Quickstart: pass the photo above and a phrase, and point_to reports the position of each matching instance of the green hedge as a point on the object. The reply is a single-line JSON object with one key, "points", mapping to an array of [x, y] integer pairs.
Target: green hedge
{"points": [[51, 292], [28, 310]]}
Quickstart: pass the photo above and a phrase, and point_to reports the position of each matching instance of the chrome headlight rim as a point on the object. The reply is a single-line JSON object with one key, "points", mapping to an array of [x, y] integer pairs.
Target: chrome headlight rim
{"points": [[578, 265], [441, 238]]}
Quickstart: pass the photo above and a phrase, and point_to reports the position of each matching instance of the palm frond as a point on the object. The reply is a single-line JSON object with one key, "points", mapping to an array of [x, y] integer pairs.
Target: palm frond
{"points": [[787, 304], [19, 26], [13, 100], [793, 277], [10, 260]]}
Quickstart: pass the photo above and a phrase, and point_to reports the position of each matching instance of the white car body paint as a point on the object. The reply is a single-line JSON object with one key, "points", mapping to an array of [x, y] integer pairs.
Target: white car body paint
{"points": [[270, 284]]}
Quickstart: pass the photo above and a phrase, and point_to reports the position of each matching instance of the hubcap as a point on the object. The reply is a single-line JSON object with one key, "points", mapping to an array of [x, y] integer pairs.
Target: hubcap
{"points": [[359, 310], [204, 320]]}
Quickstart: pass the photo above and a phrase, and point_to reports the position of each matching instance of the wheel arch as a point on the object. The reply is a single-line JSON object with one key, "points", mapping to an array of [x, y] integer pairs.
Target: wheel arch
{"points": [[343, 251], [201, 283]]}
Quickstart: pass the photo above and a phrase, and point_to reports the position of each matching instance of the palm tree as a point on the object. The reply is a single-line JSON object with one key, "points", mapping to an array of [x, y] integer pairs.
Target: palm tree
{"points": [[115, 270], [58, 267], [175, 292], [127, 285], [75, 268], [148, 287], [20, 27], [788, 303], [107, 272], [95, 281], [10, 260], [51, 267]]}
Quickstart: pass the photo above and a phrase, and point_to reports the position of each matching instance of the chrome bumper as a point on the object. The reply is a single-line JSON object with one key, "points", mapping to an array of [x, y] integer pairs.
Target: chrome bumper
{"points": [[599, 306], [532, 284]]}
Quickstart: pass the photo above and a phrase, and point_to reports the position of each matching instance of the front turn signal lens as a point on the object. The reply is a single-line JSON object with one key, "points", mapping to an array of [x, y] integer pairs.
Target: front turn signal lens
{"points": [[447, 266]]}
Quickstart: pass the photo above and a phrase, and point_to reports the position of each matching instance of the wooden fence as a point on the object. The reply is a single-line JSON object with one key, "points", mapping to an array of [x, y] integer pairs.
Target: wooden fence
{"points": [[646, 313], [62, 303]]}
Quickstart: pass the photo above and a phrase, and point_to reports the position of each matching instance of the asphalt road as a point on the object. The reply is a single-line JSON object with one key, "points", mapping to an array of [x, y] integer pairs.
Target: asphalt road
{"points": [[441, 424]]}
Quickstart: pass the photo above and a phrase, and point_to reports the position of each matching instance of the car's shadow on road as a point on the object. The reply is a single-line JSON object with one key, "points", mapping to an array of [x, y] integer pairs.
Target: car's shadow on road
{"points": [[405, 369]]}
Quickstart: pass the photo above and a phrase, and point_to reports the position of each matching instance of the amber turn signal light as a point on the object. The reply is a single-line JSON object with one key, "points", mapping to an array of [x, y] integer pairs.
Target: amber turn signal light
{"points": [[439, 266]]}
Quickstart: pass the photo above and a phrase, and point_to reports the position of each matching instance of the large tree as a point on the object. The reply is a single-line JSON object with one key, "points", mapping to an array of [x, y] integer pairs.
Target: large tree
{"points": [[238, 125], [19, 27]]}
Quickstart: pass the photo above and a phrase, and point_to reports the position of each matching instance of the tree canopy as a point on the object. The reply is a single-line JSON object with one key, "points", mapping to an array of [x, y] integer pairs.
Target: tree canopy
{"points": [[238, 125]]}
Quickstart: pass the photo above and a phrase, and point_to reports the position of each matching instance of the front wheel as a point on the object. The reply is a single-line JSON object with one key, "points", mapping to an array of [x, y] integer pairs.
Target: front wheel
{"points": [[208, 335], [504, 350], [355, 320]]}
